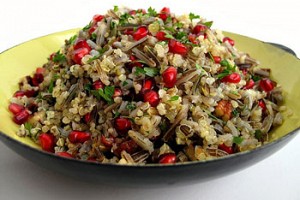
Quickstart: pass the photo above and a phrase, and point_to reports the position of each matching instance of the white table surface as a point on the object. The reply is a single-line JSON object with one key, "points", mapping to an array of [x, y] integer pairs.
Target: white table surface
{"points": [[276, 178]]}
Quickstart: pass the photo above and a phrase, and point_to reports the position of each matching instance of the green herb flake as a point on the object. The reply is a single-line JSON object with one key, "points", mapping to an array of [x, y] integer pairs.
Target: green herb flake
{"points": [[171, 29], [182, 36], [228, 70], [88, 87], [169, 36], [150, 71], [116, 8], [124, 18], [237, 140], [224, 63], [178, 25], [28, 126], [193, 16], [174, 98], [198, 66], [106, 94], [130, 106], [52, 83], [124, 83], [208, 24], [152, 12], [117, 114], [72, 39], [256, 78], [87, 27], [139, 71], [258, 135], [169, 19], [235, 112], [93, 36], [59, 57]]}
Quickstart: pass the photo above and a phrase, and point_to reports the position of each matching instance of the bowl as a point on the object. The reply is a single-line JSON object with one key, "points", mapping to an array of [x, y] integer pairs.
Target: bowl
{"points": [[23, 59]]}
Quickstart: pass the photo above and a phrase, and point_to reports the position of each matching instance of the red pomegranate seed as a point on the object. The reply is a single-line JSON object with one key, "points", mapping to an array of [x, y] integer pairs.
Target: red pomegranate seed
{"points": [[27, 93], [164, 13], [92, 159], [128, 31], [15, 108], [262, 104], [177, 47], [244, 71], [192, 39], [217, 59], [21, 117], [199, 29], [92, 29], [117, 93], [64, 154], [52, 56], [232, 78], [167, 158], [87, 117], [79, 136], [37, 79], [122, 125], [152, 97], [266, 84], [78, 54], [225, 148], [229, 40], [140, 33], [47, 141], [132, 12], [107, 142], [161, 36], [97, 18], [82, 44], [40, 70], [169, 76], [148, 85], [129, 146], [249, 85], [98, 85], [132, 58]]}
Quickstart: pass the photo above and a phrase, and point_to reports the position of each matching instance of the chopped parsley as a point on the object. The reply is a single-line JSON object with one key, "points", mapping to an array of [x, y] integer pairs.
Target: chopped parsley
{"points": [[52, 82], [59, 57], [235, 112], [116, 8], [139, 71], [256, 78], [193, 16], [169, 36], [28, 126], [72, 39], [208, 24], [174, 98], [258, 135], [169, 19], [88, 87], [93, 36], [106, 94], [181, 36], [152, 12], [117, 114], [87, 27], [228, 70], [130, 106], [124, 83], [124, 18], [149, 71], [237, 140]]}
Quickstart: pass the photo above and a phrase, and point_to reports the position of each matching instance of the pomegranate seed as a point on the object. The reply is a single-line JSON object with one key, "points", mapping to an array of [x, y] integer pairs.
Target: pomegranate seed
{"points": [[98, 85], [266, 84], [78, 54], [40, 70], [47, 141], [132, 58], [21, 117], [164, 13], [107, 142], [87, 117], [92, 159], [122, 125], [244, 71], [229, 40], [177, 47], [92, 29], [148, 85], [232, 78], [161, 36], [199, 29], [249, 85], [128, 31], [225, 148], [37, 79], [117, 93], [52, 56], [97, 18], [129, 146], [27, 93], [152, 97], [192, 39], [132, 12], [82, 44], [64, 154], [140, 33], [169, 76], [217, 59], [79, 136], [167, 158], [15, 108], [262, 104]]}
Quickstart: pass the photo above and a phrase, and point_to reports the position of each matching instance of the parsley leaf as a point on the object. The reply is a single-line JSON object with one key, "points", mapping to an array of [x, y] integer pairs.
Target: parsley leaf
{"points": [[193, 16], [87, 27], [28, 126], [229, 69], [152, 12], [259, 135], [93, 36], [117, 114], [88, 87], [72, 39], [52, 82], [150, 71], [208, 24], [124, 18], [116, 8], [169, 19], [124, 83], [235, 112], [130, 106], [256, 78], [106, 94], [59, 57], [139, 71], [237, 140], [181, 36], [174, 98], [169, 36]]}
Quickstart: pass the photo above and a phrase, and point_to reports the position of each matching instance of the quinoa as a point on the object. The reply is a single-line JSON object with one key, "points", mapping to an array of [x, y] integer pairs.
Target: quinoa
{"points": [[139, 87]]}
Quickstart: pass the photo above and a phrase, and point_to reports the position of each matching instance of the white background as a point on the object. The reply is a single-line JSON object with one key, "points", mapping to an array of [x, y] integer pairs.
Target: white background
{"points": [[275, 178]]}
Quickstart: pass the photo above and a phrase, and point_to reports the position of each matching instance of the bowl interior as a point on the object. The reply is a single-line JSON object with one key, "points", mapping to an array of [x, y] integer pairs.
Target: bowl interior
{"points": [[23, 59]]}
